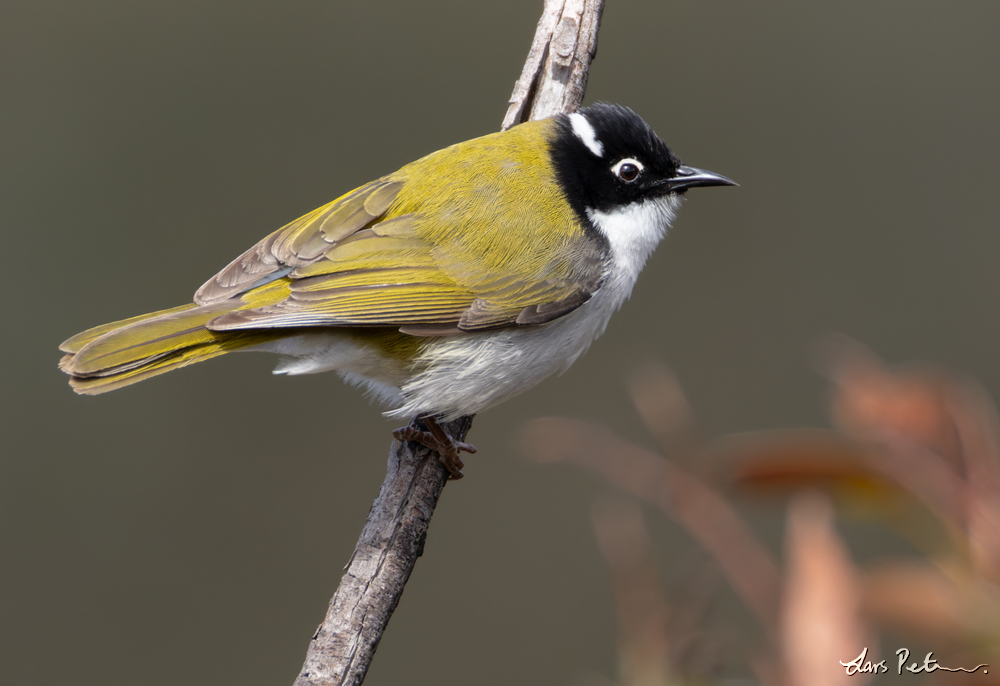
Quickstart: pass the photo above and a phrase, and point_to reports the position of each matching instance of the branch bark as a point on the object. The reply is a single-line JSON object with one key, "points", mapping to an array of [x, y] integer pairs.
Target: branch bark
{"points": [[554, 77], [390, 543], [553, 80]]}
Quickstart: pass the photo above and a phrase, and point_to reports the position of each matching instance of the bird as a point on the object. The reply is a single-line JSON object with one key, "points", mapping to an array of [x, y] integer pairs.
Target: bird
{"points": [[457, 282]]}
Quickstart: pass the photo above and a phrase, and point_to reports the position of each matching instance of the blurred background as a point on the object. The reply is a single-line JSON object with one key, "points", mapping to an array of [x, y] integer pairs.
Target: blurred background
{"points": [[191, 529]]}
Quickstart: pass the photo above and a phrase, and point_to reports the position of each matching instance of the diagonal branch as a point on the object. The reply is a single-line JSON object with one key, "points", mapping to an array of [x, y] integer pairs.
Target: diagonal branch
{"points": [[390, 543], [553, 81], [554, 77]]}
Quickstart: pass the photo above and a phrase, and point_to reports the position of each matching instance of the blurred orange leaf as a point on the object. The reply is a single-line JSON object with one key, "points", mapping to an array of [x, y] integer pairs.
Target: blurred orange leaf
{"points": [[777, 462]]}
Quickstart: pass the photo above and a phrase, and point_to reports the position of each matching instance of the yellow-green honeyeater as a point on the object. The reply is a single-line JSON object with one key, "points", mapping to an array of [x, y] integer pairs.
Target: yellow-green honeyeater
{"points": [[456, 282]]}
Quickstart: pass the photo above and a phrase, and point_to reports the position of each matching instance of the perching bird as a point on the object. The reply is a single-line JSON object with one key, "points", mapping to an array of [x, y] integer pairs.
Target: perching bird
{"points": [[460, 280]]}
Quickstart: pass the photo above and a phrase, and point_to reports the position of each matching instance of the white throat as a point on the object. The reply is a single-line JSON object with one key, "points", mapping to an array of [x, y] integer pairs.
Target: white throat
{"points": [[633, 232]]}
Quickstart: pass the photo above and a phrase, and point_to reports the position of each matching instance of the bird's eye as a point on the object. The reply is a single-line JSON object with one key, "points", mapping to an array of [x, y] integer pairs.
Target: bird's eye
{"points": [[627, 170]]}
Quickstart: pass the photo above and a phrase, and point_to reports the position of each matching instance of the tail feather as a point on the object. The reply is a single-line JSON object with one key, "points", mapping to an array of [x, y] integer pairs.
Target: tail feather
{"points": [[132, 345], [122, 353], [165, 362], [76, 343]]}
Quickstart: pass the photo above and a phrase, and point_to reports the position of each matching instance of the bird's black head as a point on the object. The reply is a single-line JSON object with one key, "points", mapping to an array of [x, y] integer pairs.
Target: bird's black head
{"points": [[606, 157]]}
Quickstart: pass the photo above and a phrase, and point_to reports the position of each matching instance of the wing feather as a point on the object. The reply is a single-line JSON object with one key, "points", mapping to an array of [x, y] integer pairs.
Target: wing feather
{"points": [[301, 241], [430, 260]]}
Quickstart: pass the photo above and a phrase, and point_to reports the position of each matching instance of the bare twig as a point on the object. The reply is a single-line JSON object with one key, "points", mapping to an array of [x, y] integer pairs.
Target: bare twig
{"points": [[553, 81], [554, 78], [390, 543]]}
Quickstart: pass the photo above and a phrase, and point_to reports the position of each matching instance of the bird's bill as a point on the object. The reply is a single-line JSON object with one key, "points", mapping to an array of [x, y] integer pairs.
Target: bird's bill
{"points": [[689, 177]]}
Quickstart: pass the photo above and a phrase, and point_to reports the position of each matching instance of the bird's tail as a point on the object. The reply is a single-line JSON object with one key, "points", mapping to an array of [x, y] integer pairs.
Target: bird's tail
{"points": [[121, 353]]}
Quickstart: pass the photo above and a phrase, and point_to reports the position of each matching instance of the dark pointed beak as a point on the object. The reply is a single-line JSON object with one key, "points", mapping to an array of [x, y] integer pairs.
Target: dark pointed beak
{"points": [[689, 177]]}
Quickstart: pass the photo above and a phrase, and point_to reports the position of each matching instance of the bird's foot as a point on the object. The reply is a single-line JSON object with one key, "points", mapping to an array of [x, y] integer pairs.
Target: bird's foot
{"points": [[438, 440]]}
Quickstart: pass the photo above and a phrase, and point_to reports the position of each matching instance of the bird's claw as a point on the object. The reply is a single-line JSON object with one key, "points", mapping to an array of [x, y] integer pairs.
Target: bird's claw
{"points": [[438, 440]]}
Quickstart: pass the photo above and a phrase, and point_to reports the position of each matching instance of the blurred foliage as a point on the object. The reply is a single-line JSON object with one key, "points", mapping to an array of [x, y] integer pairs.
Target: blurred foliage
{"points": [[915, 448]]}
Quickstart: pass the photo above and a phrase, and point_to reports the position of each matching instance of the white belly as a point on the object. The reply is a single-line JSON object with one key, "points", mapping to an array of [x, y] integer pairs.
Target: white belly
{"points": [[467, 374], [462, 374]]}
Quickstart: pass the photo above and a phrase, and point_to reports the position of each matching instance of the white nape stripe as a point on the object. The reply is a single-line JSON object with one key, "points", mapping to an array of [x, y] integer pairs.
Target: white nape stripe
{"points": [[585, 132]]}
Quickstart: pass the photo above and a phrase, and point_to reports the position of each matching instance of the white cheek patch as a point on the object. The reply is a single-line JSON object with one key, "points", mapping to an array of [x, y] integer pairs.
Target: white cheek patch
{"points": [[585, 132]]}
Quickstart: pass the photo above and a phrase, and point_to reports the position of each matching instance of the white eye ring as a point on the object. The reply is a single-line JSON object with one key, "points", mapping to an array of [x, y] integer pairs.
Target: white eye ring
{"points": [[623, 169]]}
